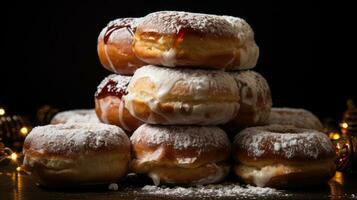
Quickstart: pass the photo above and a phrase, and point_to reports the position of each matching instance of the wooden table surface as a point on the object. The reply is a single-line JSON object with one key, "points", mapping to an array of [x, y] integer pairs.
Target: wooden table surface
{"points": [[20, 186]]}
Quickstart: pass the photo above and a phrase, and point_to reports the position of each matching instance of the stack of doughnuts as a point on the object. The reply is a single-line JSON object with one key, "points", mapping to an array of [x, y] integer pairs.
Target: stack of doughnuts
{"points": [[181, 82], [181, 75], [187, 68]]}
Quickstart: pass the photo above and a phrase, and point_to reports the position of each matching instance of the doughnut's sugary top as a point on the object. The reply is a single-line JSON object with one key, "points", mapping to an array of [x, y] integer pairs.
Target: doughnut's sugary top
{"points": [[298, 117], [181, 137], [75, 139], [182, 146], [71, 116], [110, 33], [283, 142], [171, 22], [113, 85]]}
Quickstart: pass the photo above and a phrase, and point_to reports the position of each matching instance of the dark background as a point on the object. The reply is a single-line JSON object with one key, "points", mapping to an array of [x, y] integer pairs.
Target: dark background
{"points": [[49, 52]]}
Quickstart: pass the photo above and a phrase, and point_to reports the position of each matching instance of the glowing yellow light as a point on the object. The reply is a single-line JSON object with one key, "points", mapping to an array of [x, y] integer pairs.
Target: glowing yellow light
{"points": [[18, 169], [339, 178], [2, 111], [13, 156], [334, 136], [344, 125], [24, 130]]}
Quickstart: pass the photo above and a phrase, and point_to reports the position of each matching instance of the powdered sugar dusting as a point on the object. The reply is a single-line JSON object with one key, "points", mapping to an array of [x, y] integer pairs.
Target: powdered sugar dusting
{"points": [[121, 83], [169, 22], [72, 116], [300, 118], [75, 138], [285, 141], [245, 32], [217, 190], [113, 186], [130, 23], [182, 137]]}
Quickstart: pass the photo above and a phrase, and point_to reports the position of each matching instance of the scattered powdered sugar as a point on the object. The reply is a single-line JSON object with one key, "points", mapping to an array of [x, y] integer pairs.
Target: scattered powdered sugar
{"points": [[217, 190], [184, 161], [182, 137], [298, 117], [277, 146], [113, 186], [343, 196], [71, 116], [286, 141], [75, 138]]}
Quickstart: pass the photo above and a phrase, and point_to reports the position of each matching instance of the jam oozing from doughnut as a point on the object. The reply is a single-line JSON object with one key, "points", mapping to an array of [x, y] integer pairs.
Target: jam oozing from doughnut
{"points": [[179, 37], [113, 28], [169, 57], [110, 89]]}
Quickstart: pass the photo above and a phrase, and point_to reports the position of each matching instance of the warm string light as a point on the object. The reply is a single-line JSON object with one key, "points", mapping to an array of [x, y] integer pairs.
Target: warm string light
{"points": [[339, 178], [2, 111], [8, 154], [13, 157], [24, 131], [344, 125], [334, 135], [348, 123]]}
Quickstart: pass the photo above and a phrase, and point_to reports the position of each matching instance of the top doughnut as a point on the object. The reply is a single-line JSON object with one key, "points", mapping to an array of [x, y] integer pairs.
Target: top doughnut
{"points": [[182, 39]]}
